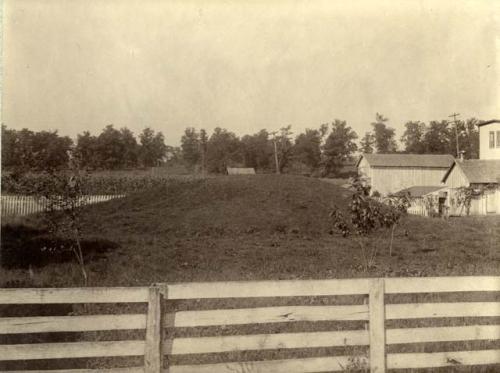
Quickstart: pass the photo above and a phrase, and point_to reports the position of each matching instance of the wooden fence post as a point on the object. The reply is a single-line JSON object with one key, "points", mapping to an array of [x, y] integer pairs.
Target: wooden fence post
{"points": [[377, 327], [153, 357]]}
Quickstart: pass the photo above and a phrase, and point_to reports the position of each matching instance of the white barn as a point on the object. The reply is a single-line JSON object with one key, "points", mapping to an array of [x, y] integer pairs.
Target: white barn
{"points": [[391, 173]]}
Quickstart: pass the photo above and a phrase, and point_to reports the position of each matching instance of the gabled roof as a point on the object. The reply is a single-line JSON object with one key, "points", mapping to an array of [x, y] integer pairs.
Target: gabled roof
{"points": [[488, 122], [478, 171], [408, 160], [418, 191]]}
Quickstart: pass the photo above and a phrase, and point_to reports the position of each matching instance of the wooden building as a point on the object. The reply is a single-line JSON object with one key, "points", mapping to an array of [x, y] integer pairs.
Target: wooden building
{"points": [[391, 173], [482, 177]]}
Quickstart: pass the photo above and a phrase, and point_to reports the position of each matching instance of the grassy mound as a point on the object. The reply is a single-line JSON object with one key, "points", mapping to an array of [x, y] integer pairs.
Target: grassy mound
{"points": [[224, 206], [258, 227]]}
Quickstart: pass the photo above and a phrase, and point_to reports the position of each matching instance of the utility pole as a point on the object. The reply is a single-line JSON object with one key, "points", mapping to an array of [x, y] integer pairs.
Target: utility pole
{"points": [[276, 152], [455, 115]]}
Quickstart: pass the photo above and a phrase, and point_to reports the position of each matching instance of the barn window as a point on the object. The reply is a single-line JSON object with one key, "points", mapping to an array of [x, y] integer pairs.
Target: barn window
{"points": [[492, 139], [498, 139]]}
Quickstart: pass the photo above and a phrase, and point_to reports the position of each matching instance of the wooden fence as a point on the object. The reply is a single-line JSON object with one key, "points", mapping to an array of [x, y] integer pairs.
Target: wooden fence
{"points": [[377, 312], [17, 205]]}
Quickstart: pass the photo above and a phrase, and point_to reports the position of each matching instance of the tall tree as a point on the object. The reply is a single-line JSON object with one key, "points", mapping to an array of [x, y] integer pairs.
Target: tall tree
{"points": [[307, 148], [470, 142], [384, 135], [223, 150], [130, 157], [437, 138], [203, 149], [190, 145], [283, 146], [338, 147], [153, 148], [86, 150], [367, 143], [50, 151], [413, 137], [110, 148], [257, 150]]}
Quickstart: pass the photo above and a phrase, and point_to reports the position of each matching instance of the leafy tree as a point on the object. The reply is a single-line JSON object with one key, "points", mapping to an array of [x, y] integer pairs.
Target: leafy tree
{"points": [[470, 139], [130, 156], [338, 147], [203, 149], [223, 150], [110, 148], [413, 137], [153, 148], [283, 146], [86, 150], [27, 150], [9, 140], [437, 138], [190, 147], [384, 136], [307, 148], [367, 143], [257, 150]]}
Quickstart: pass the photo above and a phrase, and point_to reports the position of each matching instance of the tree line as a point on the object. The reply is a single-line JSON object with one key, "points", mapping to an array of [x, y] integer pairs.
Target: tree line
{"points": [[111, 149], [321, 151]]}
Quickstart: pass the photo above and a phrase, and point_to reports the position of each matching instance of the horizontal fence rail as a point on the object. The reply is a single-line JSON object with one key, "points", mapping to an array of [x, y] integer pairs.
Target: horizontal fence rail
{"points": [[159, 321], [17, 205]]}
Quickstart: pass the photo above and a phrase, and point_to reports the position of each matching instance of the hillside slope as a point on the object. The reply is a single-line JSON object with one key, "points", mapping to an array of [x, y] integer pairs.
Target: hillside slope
{"points": [[224, 206], [254, 227]]}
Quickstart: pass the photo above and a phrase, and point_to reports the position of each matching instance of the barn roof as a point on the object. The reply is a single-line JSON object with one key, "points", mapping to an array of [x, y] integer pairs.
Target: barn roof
{"points": [[418, 191], [408, 160], [478, 171]]}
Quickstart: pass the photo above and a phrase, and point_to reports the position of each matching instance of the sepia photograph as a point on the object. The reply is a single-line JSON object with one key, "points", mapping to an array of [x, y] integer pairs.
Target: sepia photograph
{"points": [[248, 186]]}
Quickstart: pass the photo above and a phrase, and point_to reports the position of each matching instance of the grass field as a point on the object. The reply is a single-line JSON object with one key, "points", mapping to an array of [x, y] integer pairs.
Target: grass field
{"points": [[247, 227], [241, 228]]}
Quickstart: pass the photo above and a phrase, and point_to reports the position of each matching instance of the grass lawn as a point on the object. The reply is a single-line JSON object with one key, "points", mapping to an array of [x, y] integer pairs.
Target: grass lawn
{"points": [[246, 228]]}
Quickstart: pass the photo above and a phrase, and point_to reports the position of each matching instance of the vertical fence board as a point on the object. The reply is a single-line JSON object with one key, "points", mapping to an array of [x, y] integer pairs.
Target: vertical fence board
{"points": [[153, 357], [377, 327]]}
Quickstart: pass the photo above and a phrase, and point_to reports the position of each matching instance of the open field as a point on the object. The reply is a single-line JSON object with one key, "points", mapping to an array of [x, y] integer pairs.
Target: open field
{"points": [[250, 227], [244, 228]]}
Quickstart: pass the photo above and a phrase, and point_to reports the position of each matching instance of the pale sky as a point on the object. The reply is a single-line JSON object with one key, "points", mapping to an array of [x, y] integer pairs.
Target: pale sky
{"points": [[246, 65]]}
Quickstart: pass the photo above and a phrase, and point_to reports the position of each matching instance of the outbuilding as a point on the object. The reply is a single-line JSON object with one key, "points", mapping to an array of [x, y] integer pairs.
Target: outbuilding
{"points": [[477, 180], [391, 173]]}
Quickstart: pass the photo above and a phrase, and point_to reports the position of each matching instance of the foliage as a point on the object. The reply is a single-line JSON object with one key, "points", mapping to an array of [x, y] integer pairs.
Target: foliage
{"points": [[257, 150], [153, 148], [368, 216], [34, 184], [223, 150], [413, 137], [338, 147], [384, 135], [307, 148], [366, 145], [190, 147], [283, 146], [28, 150]]}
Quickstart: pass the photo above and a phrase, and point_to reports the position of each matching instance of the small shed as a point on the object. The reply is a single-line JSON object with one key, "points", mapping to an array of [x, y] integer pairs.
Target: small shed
{"points": [[426, 200], [240, 171], [482, 177], [390, 173]]}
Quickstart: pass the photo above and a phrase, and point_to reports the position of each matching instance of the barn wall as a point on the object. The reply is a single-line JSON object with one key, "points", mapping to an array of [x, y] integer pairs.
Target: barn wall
{"points": [[456, 178], [388, 180]]}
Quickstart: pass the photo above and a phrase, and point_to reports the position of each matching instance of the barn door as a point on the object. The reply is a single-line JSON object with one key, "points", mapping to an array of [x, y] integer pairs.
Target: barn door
{"points": [[491, 201]]}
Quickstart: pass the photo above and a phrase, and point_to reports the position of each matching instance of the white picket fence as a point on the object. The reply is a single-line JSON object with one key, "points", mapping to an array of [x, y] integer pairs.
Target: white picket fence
{"points": [[17, 205]]}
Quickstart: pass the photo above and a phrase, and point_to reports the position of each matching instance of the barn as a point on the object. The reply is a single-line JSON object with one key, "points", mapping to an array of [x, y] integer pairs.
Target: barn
{"points": [[391, 173], [482, 177]]}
